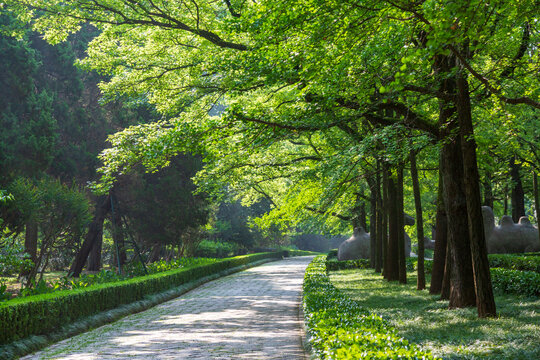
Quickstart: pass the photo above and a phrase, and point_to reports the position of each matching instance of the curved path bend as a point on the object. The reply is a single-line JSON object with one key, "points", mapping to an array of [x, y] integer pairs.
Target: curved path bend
{"points": [[252, 314]]}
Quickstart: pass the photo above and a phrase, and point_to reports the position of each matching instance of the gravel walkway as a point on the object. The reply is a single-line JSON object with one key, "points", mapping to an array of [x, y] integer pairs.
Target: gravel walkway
{"points": [[252, 314]]}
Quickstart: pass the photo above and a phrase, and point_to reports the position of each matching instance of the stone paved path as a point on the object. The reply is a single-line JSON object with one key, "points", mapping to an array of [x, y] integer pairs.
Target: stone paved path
{"points": [[252, 314]]}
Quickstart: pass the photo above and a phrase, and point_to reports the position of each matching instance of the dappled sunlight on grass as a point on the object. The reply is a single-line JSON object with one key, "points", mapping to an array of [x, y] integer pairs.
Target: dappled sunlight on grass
{"points": [[451, 334]]}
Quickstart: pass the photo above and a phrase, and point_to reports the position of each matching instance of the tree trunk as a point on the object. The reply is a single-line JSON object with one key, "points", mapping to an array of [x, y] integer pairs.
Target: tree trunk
{"points": [[462, 292], [385, 217], [393, 232], [445, 286], [372, 223], [379, 223], [401, 227], [518, 195], [94, 232], [421, 281], [155, 253], [94, 260], [120, 256], [485, 302], [30, 243], [536, 203], [439, 253]]}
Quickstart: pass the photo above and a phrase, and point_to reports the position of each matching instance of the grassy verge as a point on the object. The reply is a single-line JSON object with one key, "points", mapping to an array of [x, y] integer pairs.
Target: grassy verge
{"points": [[450, 334]]}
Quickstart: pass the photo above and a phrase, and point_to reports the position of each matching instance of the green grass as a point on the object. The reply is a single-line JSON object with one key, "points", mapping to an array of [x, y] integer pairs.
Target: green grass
{"points": [[451, 334]]}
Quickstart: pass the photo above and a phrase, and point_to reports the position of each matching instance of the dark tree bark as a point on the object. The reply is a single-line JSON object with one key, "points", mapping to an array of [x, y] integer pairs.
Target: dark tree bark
{"points": [[372, 222], [421, 281], [536, 202], [120, 256], [380, 224], [385, 217], [155, 253], [94, 232], [439, 253], [94, 260], [518, 194], [462, 292], [485, 302], [458, 267], [30, 243], [401, 226], [445, 286], [393, 232]]}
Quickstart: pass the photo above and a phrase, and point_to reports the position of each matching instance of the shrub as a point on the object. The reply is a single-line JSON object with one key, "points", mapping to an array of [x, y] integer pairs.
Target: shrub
{"points": [[216, 249], [335, 264], [527, 262], [339, 328], [42, 314], [516, 281]]}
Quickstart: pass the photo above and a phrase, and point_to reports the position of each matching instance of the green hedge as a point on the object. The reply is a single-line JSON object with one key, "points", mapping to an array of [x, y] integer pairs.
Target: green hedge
{"points": [[524, 262], [339, 328], [42, 314], [516, 281]]}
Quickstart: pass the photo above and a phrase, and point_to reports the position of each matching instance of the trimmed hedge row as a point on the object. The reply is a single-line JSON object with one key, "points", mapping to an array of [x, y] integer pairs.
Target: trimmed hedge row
{"points": [[338, 328], [41, 314], [516, 281], [522, 262]]}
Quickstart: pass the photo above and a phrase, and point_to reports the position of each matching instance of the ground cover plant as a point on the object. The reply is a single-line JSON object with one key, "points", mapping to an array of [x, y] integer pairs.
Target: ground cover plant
{"points": [[450, 334], [341, 328]]}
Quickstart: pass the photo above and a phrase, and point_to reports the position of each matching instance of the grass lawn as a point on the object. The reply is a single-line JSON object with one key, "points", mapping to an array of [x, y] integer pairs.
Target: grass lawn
{"points": [[450, 334]]}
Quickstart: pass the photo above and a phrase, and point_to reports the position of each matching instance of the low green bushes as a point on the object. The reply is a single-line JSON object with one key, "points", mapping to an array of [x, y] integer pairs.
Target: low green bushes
{"points": [[42, 314], [334, 264], [524, 262], [338, 328], [516, 281]]}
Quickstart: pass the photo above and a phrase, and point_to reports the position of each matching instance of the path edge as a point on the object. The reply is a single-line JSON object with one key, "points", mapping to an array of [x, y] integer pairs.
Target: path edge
{"points": [[35, 343]]}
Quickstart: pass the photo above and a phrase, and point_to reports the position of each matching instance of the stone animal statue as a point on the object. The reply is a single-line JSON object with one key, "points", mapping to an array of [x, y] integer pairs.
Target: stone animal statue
{"points": [[355, 247], [509, 237], [359, 244]]}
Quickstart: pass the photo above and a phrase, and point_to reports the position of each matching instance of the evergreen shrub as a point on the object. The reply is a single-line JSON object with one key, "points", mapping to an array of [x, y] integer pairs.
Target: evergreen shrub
{"points": [[524, 262], [516, 281], [339, 328]]}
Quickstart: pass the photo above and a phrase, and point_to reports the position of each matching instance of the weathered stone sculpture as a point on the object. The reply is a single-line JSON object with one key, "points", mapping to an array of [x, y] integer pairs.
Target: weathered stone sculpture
{"points": [[509, 237], [355, 247], [359, 244]]}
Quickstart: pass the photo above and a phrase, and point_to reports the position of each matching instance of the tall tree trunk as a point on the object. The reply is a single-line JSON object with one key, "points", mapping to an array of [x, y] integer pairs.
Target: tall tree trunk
{"points": [[505, 202], [445, 286], [380, 223], [536, 203], [462, 292], [518, 195], [94, 260], [372, 222], [385, 217], [401, 226], [94, 232], [458, 267], [441, 231], [393, 231], [30, 243], [155, 253], [120, 256], [421, 279], [485, 302]]}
